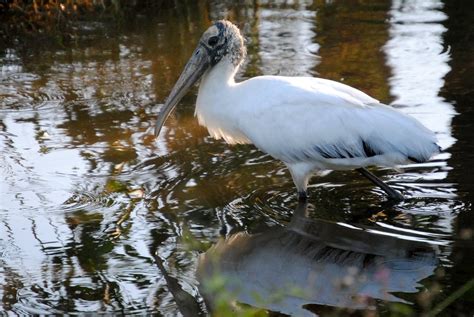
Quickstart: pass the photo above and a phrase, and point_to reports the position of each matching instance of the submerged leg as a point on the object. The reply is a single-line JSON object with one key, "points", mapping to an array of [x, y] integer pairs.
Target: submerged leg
{"points": [[392, 193]]}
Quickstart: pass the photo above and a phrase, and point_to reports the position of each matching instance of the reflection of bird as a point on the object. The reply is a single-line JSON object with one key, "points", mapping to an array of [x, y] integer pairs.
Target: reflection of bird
{"points": [[313, 262], [310, 124]]}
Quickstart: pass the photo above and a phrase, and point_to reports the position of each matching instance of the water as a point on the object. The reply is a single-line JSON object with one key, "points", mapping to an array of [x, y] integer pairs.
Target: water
{"points": [[89, 196]]}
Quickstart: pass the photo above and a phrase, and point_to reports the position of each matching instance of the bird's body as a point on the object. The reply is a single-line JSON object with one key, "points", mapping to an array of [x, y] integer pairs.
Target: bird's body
{"points": [[311, 124]]}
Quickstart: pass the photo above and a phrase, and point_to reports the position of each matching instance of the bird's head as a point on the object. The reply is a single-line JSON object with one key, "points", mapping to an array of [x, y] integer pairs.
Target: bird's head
{"points": [[223, 39], [222, 42]]}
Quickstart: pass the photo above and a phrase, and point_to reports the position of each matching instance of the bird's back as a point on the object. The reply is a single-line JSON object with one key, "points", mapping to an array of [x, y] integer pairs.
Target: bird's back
{"points": [[298, 119]]}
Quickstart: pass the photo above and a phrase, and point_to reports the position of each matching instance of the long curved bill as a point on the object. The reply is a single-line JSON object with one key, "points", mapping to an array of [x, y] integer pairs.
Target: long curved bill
{"points": [[194, 69]]}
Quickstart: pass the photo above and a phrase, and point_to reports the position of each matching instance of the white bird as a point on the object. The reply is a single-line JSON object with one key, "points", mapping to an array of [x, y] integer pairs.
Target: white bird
{"points": [[310, 124]]}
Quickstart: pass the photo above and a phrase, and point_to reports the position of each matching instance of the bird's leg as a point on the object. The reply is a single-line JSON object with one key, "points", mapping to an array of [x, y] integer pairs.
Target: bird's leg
{"points": [[300, 172], [302, 196], [392, 193]]}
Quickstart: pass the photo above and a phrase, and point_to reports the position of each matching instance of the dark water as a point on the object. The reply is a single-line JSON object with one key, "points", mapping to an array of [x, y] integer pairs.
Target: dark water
{"points": [[88, 196]]}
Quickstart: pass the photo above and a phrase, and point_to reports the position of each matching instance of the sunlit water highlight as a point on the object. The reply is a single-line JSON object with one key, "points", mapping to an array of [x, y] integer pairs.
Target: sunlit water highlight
{"points": [[89, 196]]}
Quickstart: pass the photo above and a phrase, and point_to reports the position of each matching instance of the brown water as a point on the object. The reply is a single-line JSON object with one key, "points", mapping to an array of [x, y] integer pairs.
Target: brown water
{"points": [[89, 197]]}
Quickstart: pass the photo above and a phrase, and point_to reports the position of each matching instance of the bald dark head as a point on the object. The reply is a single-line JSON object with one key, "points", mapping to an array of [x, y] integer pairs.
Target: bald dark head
{"points": [[223, 39]]}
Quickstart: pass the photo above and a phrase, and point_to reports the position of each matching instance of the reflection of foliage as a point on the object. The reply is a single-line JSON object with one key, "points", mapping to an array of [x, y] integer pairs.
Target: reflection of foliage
{"points": [[347, 53], [56, 17], [39, 16]]}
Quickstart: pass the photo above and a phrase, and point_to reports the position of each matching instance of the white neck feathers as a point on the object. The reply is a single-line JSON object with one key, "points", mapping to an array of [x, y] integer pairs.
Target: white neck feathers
{"points": [[216, 106]]}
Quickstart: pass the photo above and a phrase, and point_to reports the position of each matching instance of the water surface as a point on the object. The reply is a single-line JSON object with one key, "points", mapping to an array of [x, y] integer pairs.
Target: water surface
{"points": [[89, 196]]}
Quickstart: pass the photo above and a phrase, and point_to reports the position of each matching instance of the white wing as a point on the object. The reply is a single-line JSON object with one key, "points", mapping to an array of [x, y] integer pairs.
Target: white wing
{"points": [[303, 118]]}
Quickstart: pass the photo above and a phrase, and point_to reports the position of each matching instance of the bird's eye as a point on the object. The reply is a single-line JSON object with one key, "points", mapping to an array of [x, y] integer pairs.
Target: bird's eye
{"points": [[212, 40]]}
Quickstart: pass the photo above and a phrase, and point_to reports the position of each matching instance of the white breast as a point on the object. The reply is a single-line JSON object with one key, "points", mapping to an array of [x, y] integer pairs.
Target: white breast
{"points": [[216, 106]]}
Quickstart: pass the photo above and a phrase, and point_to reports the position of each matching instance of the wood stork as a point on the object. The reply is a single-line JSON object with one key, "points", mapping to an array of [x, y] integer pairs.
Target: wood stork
{"points": [[311, 124]]}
